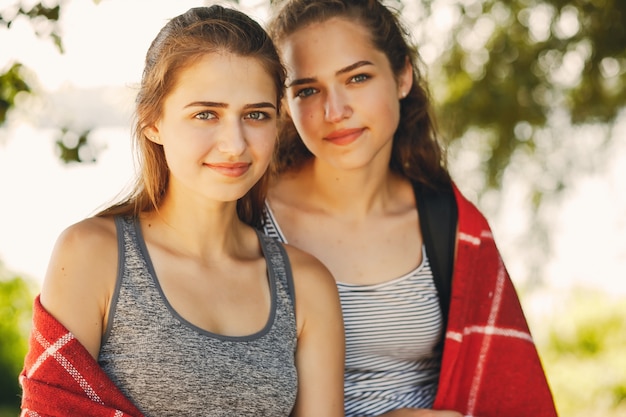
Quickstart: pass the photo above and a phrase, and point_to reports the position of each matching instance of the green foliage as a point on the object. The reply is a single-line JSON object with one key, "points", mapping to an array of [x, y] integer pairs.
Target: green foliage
{"points": [[43, 18], [70, 146], [583, 355], [506, 68], [11, 84], [16, 297], [504, 72], [510, 65]]}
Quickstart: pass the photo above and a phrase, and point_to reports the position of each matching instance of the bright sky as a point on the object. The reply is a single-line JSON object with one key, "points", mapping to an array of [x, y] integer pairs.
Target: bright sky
{"points": [[92, 84]]}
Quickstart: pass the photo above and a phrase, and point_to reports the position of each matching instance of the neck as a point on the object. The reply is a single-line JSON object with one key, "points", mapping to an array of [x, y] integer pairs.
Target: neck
{"points": [[207, 230], [356, 193]]}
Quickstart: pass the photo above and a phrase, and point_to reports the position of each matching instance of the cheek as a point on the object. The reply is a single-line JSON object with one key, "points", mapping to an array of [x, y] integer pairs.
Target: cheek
{"points": [[391, 111], [261, 143], [386, 111], [304, 117], [190, 149], [267, 148]]}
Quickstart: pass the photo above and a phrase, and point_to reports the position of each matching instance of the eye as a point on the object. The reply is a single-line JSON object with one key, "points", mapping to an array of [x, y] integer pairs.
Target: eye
{"points": [[257, 115], [205, 115], [305, 92], [359, 78]]}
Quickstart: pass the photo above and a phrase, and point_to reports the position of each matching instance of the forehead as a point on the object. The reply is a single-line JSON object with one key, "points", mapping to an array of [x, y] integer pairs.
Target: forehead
{"points": [[224, 75], [334, 43]]}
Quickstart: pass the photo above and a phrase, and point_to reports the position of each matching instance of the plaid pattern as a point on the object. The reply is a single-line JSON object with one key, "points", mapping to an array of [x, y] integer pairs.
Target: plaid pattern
{"points": [[490, 365], [60, 378]]}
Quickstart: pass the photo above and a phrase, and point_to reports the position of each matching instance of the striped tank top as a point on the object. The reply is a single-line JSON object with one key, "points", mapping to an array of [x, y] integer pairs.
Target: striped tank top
{"points": [[168, 367], [392, 330]]}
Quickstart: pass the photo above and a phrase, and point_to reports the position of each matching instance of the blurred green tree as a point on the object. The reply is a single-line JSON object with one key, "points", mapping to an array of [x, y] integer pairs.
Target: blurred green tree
{"points": [[511, 79], [501, 67], [16, 295], [510, 65], [45, 23], [16, 78]]}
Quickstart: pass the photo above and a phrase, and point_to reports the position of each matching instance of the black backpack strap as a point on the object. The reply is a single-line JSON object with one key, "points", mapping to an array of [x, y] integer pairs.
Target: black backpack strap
{"points": [[438, 216]]}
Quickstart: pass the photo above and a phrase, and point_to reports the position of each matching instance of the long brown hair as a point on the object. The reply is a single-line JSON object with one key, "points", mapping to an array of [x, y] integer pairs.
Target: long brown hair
{"points": [[417, 153], [179, 43]]}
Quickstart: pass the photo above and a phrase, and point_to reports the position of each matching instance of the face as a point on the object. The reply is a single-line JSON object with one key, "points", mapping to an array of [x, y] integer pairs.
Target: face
{"points": [[218, 126], [342, 94]]}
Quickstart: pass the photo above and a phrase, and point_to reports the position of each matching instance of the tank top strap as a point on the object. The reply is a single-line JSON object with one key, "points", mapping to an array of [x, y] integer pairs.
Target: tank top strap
{"points": [[148, 348], [130, 259], [278, 266]]}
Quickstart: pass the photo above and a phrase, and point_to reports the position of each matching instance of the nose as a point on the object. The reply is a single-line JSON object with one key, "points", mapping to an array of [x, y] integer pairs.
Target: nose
{"points": [[232, 140], [336, 107]]}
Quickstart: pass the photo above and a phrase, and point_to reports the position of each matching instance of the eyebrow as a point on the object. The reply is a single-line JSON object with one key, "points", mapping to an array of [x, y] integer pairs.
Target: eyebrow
{"points": [[344, 70], [263, 104]]}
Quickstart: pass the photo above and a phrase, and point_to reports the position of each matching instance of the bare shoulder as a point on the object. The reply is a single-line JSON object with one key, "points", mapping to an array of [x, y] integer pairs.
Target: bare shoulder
{"points": [[316, 295], [85, 253], [93, 230], [308, 271], [81, 277], [320, 338], [86, 241]]}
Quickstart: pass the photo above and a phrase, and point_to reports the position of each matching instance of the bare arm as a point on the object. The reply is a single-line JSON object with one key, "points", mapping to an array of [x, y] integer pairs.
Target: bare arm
{"points": [[80, 278], [321, 345]]}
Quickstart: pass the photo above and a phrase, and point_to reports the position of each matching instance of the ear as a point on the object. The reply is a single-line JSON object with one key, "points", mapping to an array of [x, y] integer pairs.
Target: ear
{"points": [[152, 133], [405, 79]]}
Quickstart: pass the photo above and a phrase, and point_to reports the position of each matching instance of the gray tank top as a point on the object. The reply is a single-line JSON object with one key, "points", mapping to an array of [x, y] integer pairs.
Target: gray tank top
{"points": [[168, 367]]}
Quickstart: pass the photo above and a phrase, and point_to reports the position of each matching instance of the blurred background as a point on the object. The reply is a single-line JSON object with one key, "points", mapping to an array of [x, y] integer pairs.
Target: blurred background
{"points": [[531, 98]]}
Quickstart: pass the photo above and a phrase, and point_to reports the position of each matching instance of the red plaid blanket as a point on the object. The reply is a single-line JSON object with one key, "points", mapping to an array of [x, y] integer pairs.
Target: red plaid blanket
{"points": [[490, 364], [60, 378]]}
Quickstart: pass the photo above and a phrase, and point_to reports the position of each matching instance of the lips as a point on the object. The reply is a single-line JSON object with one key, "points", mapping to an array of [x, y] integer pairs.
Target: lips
{"points": [[230, 169], [344, 136]]}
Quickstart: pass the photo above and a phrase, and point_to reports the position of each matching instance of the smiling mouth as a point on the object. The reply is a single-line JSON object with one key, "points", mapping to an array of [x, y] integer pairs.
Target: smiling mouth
{"points": [[232, 170], [344, 137]]}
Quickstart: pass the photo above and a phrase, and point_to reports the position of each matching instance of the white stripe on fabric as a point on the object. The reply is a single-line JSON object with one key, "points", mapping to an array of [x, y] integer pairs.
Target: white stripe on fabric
{"points": [[486, 343], [391, 331], [52, 351], [469, 238], [490, 330]]}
